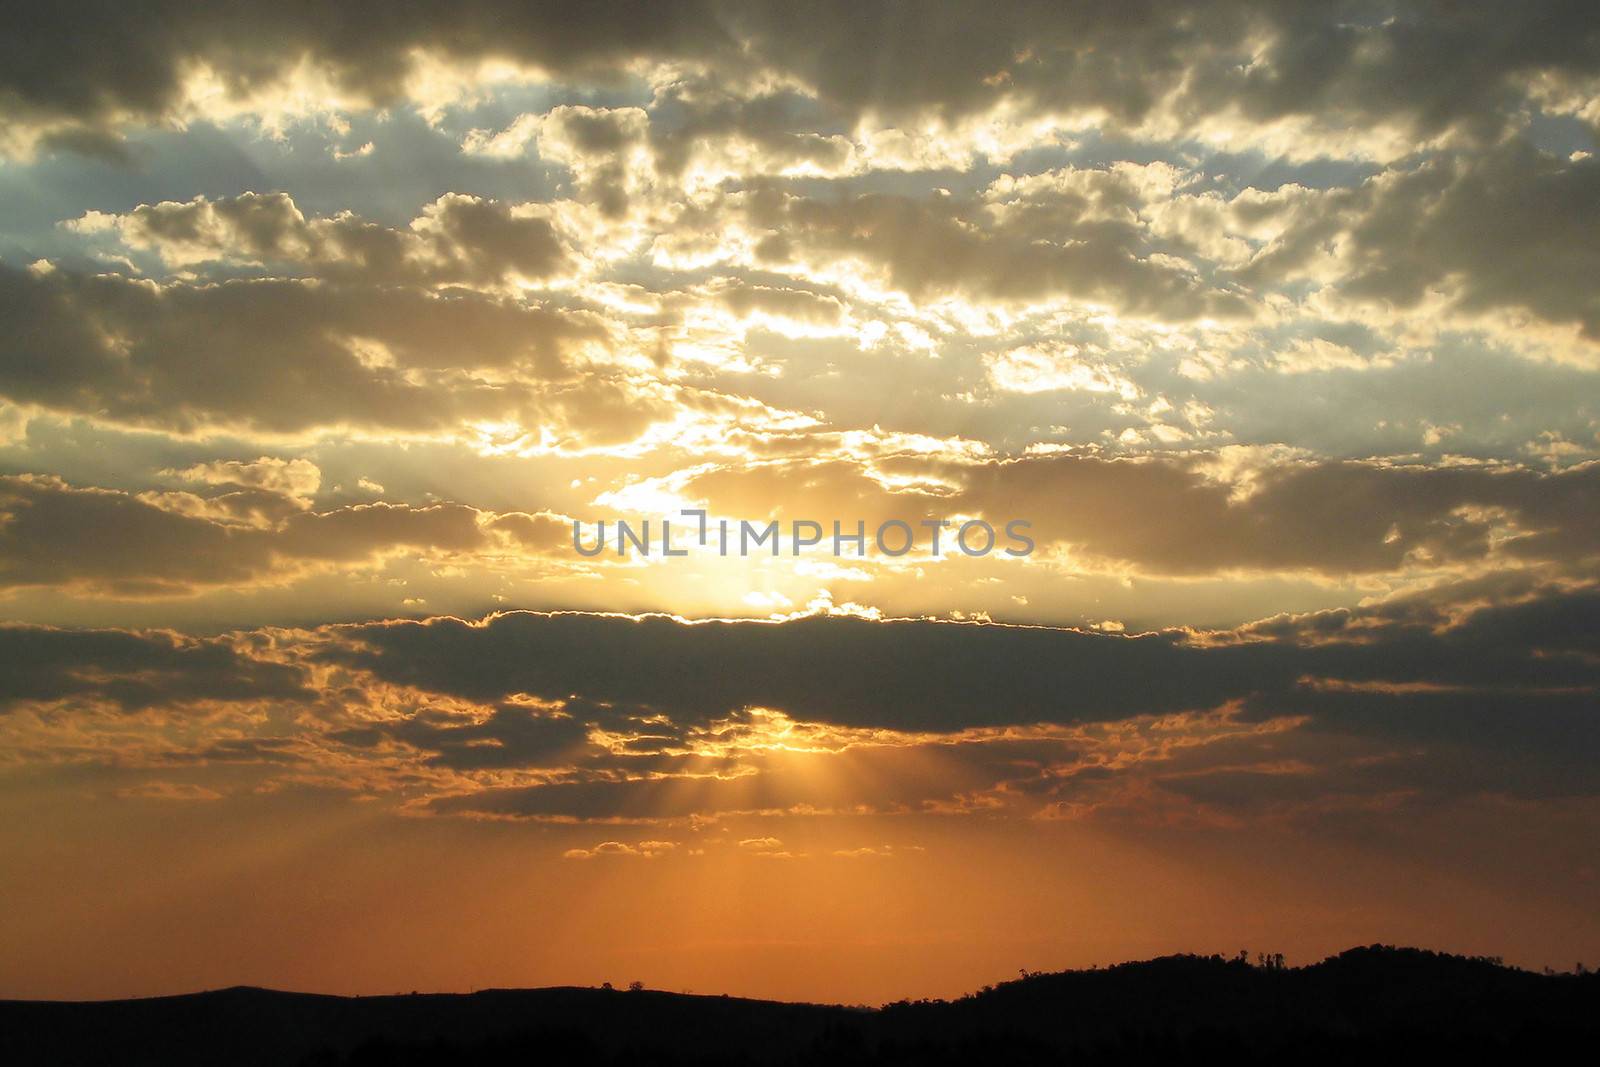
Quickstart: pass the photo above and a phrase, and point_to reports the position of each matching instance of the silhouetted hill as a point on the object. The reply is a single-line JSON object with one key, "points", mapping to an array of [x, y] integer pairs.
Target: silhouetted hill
{"points": [[1376, 1005]]}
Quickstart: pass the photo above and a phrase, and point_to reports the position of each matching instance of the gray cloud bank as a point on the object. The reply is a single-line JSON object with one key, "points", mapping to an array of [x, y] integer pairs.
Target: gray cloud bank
{"points": [[1484, 689], [1429, 66]]}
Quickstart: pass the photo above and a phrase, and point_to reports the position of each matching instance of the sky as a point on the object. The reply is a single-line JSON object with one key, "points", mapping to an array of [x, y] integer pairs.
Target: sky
{"points": [[1275, 324]]}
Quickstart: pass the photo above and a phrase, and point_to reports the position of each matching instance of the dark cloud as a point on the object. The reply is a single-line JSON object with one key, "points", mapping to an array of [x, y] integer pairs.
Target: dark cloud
{"points": [[276, 355], [1333, 517], [945, 676], [850, 672], [511, 736], [774, 132], [1185, 514], [744, 299], [456, 240], [1503, 228], [137, 671], [942, 245], [1162, 515], [1484, 688], [53, 534], [1355, 706], [1343, 63], [108, 59], [1494, 228]]}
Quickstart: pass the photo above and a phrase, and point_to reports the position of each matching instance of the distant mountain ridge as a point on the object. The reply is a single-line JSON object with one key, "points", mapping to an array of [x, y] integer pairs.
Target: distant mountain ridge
{"points": [[1376, 1004]]}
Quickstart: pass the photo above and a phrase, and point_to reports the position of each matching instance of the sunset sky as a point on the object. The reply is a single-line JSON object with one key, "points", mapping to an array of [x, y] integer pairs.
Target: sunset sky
{"points": [[322, 323]]}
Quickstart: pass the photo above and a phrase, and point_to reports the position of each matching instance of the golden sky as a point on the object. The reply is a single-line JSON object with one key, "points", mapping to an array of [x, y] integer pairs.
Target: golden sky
{"points": [[1275, 323]]}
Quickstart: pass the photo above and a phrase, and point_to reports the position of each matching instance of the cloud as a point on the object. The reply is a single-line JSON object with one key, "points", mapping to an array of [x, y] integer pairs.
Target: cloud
{"points": [[767, 848], [1048, 369], [277, 355], [156, 64], [1169, 517], [298, 478], [1243, 306], [1482, 688], [169, 791], [1495, 229], [643, 850], [135, 671], [53, 534], [456, 240], [510, 736], [1217, 66], [875, 851], [993, 249], [943, 677], [1178, 514]]}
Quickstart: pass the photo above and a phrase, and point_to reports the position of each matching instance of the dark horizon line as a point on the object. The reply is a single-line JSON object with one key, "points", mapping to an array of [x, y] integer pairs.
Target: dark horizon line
{"points": [[1269, 962]]}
